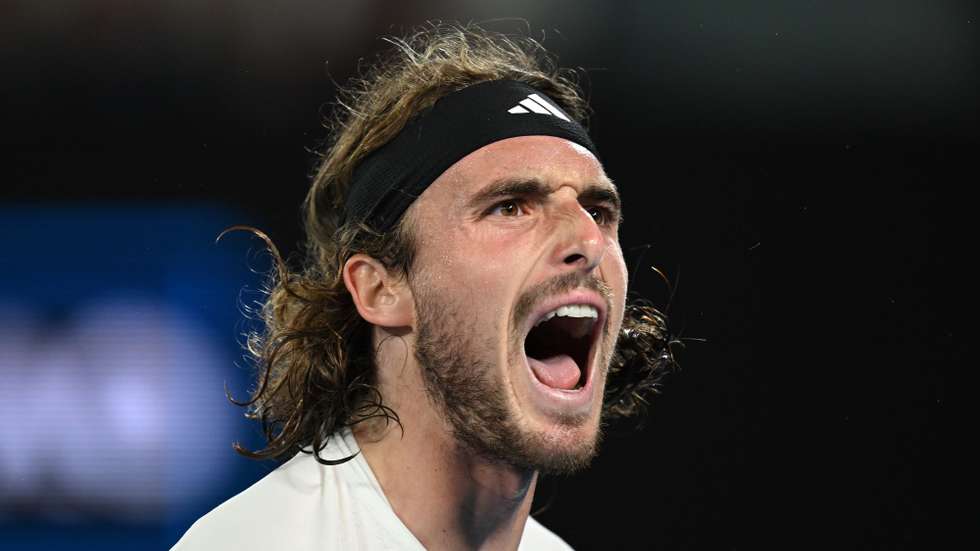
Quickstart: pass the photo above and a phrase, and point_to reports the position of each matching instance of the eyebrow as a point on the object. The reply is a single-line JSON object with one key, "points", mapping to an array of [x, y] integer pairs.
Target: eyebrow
{"points": [[530, 187]]}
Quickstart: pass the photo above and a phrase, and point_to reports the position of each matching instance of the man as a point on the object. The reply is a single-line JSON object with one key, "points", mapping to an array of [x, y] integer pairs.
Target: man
{"points": [[451, 336]]}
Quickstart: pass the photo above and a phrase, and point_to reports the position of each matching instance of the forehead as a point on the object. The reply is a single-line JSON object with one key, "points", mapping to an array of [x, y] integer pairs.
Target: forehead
{"points": [[553, 161]]}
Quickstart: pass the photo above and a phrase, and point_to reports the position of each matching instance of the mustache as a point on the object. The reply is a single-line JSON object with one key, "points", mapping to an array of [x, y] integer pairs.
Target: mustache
{"points": [[556, 286]]}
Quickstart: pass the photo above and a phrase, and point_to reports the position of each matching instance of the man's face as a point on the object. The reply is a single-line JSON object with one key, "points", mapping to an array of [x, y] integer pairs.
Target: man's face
{"points": [[520, 231]]}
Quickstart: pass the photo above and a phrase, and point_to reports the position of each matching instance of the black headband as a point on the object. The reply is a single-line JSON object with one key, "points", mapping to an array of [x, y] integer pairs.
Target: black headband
{"points": [[391, 178]]}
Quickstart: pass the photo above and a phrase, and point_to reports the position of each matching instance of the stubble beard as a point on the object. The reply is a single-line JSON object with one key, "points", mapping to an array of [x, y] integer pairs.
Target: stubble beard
{"points": [[467, 387]]}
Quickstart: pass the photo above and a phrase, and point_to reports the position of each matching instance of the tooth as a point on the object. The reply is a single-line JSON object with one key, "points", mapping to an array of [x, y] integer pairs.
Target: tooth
{"points": [[571, 311], [546, 317], [577, 311]]}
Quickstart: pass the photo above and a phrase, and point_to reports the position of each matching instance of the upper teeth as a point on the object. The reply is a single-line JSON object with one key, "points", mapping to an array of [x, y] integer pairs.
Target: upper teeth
{"points": [[571, 311]]}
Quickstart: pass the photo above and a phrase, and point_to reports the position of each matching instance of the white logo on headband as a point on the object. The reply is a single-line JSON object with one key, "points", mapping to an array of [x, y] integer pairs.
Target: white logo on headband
{"points": [[536, 104]]}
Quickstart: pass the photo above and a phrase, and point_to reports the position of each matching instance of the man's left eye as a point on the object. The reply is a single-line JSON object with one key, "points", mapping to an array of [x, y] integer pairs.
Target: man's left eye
{"points": [[601, 215]]}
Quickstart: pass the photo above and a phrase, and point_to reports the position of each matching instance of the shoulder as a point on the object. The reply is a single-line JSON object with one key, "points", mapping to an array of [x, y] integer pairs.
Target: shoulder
{"points": [[538, 538], [281, 502]]}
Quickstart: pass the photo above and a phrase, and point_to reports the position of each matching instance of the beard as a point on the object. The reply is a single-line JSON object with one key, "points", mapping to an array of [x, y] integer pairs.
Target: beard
{"points": [[466, 384]]}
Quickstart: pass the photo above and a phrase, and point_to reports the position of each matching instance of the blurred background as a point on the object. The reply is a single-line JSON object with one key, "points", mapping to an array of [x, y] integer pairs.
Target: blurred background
{"points": [[804, 151]]}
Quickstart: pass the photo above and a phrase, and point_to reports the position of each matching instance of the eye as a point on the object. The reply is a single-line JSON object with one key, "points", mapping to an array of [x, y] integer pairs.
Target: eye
{"points": [[508, 208], [602, 215]]}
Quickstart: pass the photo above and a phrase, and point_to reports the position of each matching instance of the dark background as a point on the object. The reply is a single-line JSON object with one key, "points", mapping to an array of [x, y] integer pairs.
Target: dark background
{"points": [[811, 153]]}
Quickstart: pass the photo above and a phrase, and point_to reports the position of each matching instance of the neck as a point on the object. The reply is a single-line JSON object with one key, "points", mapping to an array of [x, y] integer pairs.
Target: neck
{"points": [[448, 497]]}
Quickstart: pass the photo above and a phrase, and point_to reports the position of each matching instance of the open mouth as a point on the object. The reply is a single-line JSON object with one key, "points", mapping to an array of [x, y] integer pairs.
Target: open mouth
{"points": [[559, 347]]}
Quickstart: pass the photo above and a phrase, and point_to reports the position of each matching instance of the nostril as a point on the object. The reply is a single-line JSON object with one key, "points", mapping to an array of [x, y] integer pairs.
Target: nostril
{"points": [[573, 258]]}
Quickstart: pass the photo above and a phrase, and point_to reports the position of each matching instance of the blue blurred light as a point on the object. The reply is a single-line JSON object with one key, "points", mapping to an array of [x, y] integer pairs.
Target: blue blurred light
{"points": [[117, 332]]}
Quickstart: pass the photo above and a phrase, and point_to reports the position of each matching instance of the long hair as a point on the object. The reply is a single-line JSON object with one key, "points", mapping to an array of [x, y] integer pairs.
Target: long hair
{"points": [[313, 357]]}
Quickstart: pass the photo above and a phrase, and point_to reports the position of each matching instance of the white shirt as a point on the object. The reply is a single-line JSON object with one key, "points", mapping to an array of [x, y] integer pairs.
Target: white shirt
{"points": [[306, 506]]}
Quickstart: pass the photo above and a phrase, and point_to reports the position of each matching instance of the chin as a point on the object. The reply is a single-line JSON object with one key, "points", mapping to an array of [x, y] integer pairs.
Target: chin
{"points": [[554, 442], [530, 439], [563, 450]]}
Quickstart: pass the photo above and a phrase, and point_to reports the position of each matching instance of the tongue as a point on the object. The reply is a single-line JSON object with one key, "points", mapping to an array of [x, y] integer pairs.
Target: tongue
{"points": [[557, 371]]}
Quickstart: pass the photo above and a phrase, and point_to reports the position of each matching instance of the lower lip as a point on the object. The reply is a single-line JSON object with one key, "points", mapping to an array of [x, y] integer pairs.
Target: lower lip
{"points": [[560, 400]]}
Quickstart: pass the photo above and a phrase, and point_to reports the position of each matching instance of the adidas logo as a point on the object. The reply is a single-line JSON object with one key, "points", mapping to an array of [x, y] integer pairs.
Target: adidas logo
{"points": [[536, 104]]}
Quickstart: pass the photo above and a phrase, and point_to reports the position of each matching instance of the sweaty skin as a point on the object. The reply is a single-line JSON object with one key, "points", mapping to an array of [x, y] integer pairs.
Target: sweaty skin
{"points": [[474, 263]]}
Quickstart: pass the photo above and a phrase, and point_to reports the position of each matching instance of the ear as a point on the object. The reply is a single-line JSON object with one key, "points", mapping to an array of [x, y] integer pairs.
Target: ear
{"points": [[380, 298]]}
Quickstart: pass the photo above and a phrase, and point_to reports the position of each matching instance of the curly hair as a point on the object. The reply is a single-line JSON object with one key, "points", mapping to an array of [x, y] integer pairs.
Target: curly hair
{"points": [[313, 357]]}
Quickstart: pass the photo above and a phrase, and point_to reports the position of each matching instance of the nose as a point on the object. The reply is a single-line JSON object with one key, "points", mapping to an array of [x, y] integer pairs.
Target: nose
{"points": [[580, 243]]}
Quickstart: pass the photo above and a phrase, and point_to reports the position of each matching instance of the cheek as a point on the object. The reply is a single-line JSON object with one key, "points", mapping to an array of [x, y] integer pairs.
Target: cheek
{"points": [[489, 259], [472, 272], [616, 276], [614, 269]]}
